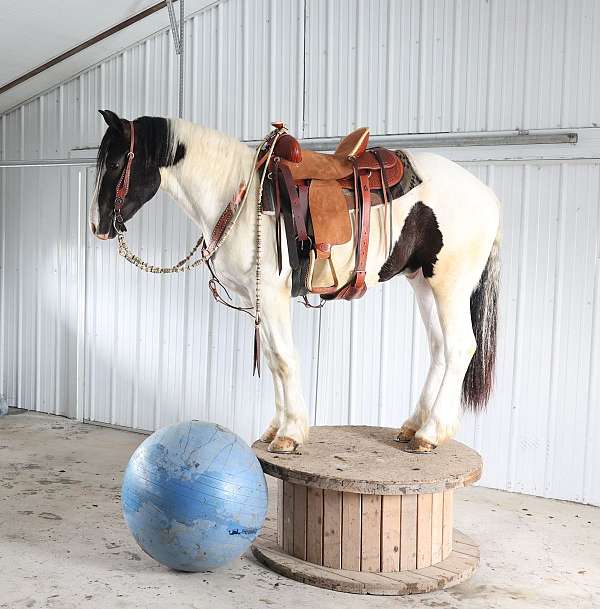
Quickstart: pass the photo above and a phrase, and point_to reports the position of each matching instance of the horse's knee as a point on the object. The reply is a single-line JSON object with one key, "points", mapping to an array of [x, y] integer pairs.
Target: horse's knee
{"points": [[280, 364]]}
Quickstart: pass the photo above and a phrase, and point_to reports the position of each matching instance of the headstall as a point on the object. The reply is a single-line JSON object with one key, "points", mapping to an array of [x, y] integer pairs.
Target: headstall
{"points": [[123, 186]]}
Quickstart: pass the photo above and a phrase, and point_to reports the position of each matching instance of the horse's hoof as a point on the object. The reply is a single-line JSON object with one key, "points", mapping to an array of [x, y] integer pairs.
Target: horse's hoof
{"points": [[406, 434], [283, 444], [419, 445], [269, 435]]}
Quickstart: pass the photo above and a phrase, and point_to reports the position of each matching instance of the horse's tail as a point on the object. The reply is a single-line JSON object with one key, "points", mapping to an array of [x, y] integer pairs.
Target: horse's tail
{"points": [[479, 379]]}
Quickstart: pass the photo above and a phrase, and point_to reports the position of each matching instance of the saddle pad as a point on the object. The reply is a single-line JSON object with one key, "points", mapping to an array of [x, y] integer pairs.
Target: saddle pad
{"points": [[329, 214]]}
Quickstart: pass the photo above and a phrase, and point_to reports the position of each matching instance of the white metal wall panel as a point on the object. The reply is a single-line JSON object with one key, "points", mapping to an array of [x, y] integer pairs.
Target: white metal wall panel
{"points": [[154, 349], [427, 66], [39, 288]]}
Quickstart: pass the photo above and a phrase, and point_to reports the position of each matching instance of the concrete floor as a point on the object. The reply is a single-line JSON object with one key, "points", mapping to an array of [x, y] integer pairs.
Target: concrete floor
{"points": [[64, 545]]}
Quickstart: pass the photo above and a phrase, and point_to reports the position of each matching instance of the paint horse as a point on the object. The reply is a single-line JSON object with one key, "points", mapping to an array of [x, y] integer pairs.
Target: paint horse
{"points": [[443, 238]]}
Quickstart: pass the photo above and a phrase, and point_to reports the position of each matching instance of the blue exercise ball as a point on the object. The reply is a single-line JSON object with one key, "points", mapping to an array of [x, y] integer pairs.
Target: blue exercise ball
{"points": [[194, 496]]}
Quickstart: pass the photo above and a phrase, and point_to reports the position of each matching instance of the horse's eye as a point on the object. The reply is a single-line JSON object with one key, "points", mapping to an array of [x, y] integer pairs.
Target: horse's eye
{"points": [[114, 165]]}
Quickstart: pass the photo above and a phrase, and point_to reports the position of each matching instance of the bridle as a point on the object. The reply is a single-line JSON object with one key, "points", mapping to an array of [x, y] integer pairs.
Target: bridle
{"points": [[221, 231], [122, 188]]}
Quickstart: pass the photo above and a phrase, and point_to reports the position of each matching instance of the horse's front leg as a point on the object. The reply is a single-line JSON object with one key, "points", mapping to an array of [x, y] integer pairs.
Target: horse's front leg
{"points": [[277, 341], [273, 427]]}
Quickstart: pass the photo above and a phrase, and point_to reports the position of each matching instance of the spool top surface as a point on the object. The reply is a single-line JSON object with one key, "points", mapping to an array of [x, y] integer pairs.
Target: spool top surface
{"points": [[362, 459]]}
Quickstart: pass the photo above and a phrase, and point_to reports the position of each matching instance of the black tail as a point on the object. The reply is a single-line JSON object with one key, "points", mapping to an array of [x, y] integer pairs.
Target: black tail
{"points": [[479, 379]]}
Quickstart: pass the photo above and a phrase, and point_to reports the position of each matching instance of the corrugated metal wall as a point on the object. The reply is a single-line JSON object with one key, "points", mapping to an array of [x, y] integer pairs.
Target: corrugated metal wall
{"points": [[84, 334]]}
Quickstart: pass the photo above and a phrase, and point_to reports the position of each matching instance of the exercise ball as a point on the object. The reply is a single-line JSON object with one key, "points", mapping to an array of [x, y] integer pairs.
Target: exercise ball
{"points": [[194, 496]]}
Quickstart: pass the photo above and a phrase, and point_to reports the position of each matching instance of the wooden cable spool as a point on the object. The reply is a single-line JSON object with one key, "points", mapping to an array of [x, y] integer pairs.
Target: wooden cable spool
{"points": [[357, 514]]}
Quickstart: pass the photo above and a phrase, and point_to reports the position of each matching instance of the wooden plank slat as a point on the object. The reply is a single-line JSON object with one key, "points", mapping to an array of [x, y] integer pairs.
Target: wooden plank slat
{"points": [[411, 577], [351, 531], [424, 506], [463, 548], [447, 524], [332, 529], [280, 513], [314, 525], [390, 526], [441, 576], [370, 556], [458, 563], [437, 519], [408, 533], [459, 536], [299, 522], [288, 517]]}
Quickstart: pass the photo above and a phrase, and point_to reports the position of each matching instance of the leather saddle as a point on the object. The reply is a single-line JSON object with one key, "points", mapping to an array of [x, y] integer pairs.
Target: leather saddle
{"points": [[317, 193]]}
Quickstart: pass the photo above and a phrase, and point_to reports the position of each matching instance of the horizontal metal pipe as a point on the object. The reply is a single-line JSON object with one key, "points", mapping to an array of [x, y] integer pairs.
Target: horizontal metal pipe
{"points": [[390, 141], [448, 140], [48, 163]]}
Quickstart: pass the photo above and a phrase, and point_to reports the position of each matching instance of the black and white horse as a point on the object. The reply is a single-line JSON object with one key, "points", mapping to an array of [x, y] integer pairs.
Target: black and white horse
{"points": [[447, 230]]}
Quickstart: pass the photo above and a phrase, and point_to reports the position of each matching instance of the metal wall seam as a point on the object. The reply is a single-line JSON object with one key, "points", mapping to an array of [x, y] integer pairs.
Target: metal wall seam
{"points": [[3, 264]]}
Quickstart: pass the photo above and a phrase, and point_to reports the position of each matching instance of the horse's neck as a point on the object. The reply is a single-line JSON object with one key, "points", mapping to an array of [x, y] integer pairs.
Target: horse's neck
{"points": [[209, 175]]}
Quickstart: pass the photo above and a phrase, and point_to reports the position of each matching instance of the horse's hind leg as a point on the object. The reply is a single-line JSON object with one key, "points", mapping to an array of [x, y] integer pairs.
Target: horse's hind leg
{"points": [[453, 307], [435, 338]]}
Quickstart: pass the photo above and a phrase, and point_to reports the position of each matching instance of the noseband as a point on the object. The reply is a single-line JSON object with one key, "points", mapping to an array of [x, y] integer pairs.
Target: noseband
{"points": [[123, 186]]}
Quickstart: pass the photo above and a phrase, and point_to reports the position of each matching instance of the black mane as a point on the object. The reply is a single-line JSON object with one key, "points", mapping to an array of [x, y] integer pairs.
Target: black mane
{"points": [[153, 143]]}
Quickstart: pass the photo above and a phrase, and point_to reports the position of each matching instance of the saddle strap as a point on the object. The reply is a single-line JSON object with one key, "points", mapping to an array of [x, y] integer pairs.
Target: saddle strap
{"points": [[283, 209], [362, 209], [298, 203], [363, 247], [385, 189], [277, 209]]}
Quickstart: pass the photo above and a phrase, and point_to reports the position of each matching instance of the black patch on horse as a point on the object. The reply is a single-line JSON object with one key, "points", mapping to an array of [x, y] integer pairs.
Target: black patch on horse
{"points": [[418, 245], [179, 154]]}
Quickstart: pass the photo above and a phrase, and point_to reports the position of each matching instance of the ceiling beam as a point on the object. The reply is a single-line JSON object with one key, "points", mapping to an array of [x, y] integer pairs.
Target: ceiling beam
{"points": [[84, 45]]}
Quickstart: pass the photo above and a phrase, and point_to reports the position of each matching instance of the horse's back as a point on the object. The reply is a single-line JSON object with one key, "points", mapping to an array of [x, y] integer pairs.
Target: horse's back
{"points": [[439, 170], [454, 193]]}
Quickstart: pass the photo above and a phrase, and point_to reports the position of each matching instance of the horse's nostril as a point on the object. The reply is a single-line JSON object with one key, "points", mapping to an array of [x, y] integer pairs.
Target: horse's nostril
{"points": [[93, 227]]}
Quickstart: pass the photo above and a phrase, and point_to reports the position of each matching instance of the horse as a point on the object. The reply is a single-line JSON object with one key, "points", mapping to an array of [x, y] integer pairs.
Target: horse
{"points": [[447, 247]]}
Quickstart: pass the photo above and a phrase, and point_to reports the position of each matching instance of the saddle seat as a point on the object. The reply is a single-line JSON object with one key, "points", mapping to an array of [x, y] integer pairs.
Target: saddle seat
{"points": [[331, 187], [312, 165]]}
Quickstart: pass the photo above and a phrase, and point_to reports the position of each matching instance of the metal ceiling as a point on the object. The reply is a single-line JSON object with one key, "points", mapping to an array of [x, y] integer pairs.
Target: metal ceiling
{"points": [[32, 33]]}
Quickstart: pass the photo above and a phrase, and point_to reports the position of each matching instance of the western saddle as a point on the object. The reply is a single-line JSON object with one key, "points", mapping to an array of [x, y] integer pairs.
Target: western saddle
{"points": [[316, 193]]}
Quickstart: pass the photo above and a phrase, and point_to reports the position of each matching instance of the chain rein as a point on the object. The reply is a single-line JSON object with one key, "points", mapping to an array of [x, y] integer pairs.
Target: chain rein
{"points": [[182, 266], [179, 267]]}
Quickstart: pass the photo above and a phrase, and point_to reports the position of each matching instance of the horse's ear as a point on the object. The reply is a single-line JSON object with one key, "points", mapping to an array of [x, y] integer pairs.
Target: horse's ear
{"points": [[112, 120]]}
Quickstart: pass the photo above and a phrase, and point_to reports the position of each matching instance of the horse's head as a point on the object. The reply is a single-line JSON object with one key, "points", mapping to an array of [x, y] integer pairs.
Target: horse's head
{"points": [[153, 148]]}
